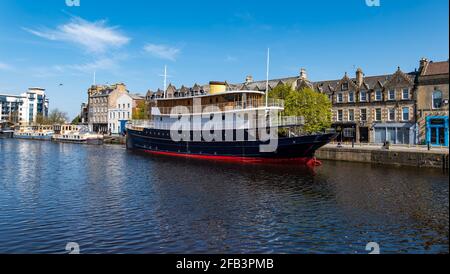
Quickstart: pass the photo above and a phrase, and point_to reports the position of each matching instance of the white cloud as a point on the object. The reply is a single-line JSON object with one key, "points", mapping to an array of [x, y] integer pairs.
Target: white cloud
{"points": [[230, 59], [162, 51], [94, 36], [4, 66]]}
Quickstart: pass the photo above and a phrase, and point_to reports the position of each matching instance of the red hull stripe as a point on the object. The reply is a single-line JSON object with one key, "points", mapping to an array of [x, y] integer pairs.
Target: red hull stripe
{"points": [[301, 160]]}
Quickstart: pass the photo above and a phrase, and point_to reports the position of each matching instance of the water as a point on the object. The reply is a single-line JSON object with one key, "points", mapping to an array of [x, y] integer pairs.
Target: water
{"points": [[110, 200]]}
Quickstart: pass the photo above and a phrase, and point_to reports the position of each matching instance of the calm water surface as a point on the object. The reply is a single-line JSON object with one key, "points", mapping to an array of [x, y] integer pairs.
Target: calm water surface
{"points": [[110, 200]]}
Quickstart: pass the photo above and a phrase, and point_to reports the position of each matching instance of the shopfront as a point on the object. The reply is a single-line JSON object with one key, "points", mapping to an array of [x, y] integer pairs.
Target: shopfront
{"points": [[346, 131], [394, 133], [437, 130]]}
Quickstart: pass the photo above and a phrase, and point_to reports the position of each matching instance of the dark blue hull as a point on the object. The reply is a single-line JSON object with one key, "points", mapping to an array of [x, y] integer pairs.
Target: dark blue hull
{"points": [[159, 142]]}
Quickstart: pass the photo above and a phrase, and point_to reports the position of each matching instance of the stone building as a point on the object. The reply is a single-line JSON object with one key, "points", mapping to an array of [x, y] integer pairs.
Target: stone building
{"points": [[432, 102], [373, 109], [100, 99]]}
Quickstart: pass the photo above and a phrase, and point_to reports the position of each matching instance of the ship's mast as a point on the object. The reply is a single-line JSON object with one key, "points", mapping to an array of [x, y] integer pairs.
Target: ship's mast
{"points": [[165, 78], [267, 79], [165, 81]]}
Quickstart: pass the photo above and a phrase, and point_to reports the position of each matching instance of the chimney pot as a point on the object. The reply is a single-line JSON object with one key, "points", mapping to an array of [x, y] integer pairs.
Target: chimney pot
{"points": [[303, 74]]}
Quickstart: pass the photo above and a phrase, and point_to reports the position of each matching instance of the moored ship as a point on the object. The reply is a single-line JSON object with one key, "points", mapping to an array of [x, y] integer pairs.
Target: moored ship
{"points": [[78, 135], [40, 133], [239, 125]]}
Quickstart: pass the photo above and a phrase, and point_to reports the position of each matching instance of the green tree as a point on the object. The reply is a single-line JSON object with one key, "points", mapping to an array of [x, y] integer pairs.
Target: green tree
{"points": [[77, 120], [315, 107], [141, 111]]}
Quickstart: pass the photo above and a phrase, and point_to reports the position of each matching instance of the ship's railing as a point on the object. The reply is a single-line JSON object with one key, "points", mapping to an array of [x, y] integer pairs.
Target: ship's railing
{"points": [[220, 107], [286, 121]]}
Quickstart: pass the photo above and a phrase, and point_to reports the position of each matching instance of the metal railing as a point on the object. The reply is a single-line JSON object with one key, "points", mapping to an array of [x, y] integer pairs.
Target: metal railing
{"points": [[220, 107], [288, 121]]}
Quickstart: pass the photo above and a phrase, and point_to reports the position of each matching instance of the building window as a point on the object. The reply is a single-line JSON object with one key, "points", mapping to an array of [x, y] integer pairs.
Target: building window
{"points": [[405, 94], [351, 97], [351, 115], [363, 96], [340, 115], [378, 95], [437, 99], [405, 114], [391, 114], [378, 114], [340, 98], [344, 86], [391, 94]]}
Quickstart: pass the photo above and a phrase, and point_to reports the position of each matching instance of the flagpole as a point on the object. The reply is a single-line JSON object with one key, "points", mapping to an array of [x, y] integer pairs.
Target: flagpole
{"points": [[165, 81]]}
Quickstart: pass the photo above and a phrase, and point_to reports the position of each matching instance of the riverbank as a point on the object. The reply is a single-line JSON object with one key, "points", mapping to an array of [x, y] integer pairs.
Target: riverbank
{"points": [[397, 155]]}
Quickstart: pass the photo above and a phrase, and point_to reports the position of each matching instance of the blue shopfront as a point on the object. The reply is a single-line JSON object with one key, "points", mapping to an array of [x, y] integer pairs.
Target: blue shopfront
{"points": [[437, 130]]}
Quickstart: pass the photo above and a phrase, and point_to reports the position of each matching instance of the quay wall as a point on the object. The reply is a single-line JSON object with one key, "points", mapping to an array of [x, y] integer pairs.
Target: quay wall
{"points": [[422, 159]]}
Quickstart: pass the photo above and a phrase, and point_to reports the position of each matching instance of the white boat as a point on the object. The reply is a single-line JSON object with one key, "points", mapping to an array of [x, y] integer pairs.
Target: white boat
{"points": [[42, 133], [78, 135]]}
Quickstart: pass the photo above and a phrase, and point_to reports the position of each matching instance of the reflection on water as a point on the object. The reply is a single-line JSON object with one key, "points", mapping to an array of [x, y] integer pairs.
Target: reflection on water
{"points": [[110, 200]]}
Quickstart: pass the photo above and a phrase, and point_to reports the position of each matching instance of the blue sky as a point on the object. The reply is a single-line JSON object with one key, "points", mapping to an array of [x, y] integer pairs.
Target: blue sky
{"points": [[45, 42]]}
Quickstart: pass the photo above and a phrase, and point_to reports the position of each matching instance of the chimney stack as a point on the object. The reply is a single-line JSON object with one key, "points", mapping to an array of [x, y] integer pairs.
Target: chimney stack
{"points": [[303, 74], [249, 79], [423, 63], [359, 77]]}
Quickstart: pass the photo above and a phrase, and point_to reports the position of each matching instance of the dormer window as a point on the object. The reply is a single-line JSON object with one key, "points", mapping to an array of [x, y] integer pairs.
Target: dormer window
{"points": [[391, 95], [378, 95], [363, 96], [351, 97], [344, 86]]}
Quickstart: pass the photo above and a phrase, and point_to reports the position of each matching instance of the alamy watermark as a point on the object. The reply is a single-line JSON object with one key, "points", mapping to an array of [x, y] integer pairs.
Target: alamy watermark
{"points": [[73, 248], [73, 3], [373, 3], [374, 248]]}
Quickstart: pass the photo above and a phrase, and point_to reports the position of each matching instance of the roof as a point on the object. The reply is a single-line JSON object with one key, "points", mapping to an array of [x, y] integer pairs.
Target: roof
{"points": [[370, 82], [436, 68], [136, 97]]}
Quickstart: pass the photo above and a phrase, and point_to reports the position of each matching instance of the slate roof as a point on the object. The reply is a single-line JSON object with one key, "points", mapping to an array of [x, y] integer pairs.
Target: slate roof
{"points": [[436, 68]]}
